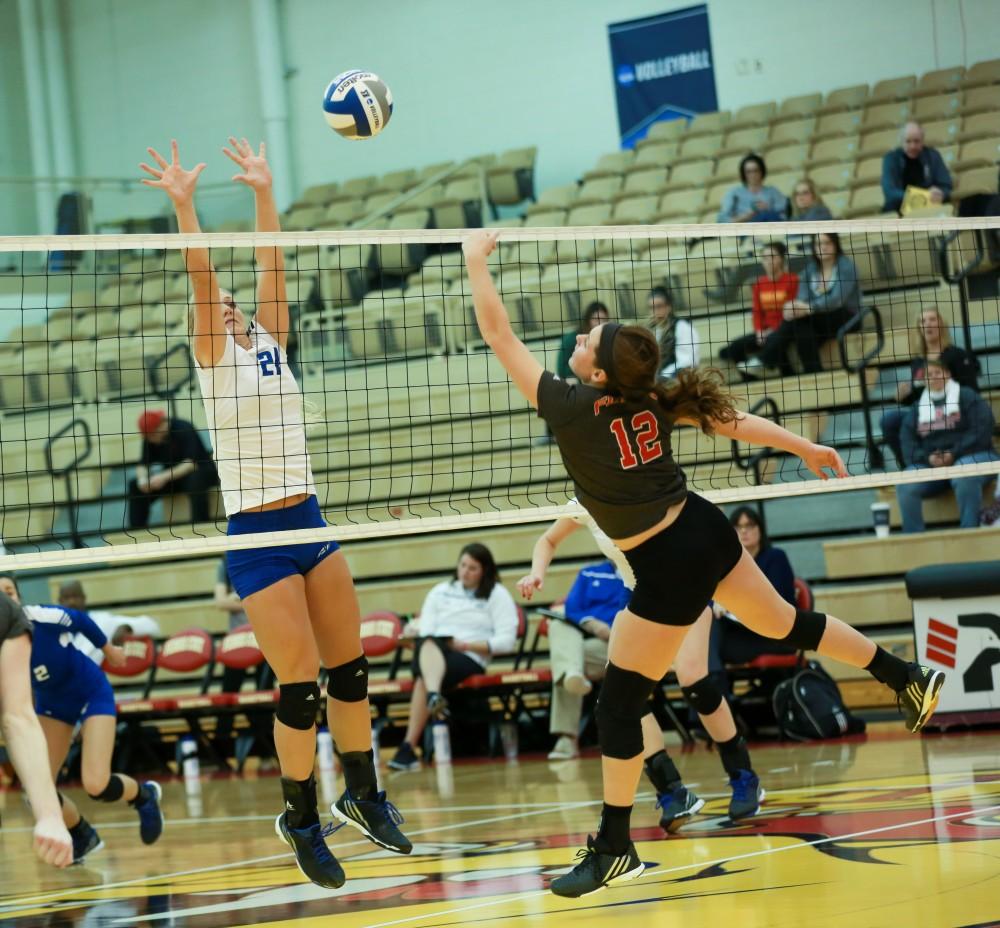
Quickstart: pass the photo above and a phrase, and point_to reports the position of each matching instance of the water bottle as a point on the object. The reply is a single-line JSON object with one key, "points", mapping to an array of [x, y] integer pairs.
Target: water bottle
{"points": [[189, 759], [324, 749], [376, 756], [442, 743], [508, 737], [445, 778], [192, 797]]}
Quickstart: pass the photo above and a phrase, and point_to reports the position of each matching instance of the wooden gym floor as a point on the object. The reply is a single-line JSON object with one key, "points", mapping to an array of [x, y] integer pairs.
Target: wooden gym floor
{"points": [[892, 830]]}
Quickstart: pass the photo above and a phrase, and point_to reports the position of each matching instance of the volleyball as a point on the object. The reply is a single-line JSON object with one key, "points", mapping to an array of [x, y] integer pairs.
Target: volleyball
{"points": [[357, 104]]}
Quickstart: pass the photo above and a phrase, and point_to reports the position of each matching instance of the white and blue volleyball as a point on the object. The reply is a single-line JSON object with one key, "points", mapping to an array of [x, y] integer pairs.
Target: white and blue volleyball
{"points": [[357, 105]]}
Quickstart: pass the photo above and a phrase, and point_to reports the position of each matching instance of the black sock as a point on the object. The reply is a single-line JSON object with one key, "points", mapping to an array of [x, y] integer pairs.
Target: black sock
{"points": [[300, 802], [75, 829], [359, 774], [735, 756], [889, 669], [613, 835], [662, 773], [141, 796]]}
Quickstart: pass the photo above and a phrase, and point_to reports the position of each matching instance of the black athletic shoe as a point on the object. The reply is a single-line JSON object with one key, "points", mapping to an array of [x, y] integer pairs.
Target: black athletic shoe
{"points": [[86, 840], [676, 807], [747, 795], [377, 820], [919, 698], [597, 870], [437, 706], [312, 856], [405, 758], [150, 815]]}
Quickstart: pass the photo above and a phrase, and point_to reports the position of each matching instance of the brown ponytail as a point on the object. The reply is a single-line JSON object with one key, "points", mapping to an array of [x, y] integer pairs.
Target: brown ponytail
{"points": [[694, 394]]}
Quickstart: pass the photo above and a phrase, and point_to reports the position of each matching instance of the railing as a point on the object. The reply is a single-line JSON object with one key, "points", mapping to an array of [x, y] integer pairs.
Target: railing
{"points": [[66, 471], [860, 367], [959, 277], [164, 390]]}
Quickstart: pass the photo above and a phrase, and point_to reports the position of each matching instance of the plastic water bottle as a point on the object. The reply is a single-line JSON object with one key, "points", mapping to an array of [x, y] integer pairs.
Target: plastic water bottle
{"points": [[324, 749], [442, 743], [190, 767], [508, 737], [445, 778], [192, 797], [376, 755]]}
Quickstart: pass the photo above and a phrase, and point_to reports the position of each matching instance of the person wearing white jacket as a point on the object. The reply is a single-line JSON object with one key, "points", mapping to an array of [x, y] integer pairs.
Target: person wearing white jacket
{"points": [[463, 622]]}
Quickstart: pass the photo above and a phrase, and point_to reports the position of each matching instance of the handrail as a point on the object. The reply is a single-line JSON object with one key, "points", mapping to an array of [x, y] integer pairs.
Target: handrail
{"points": [[753, 461], [961, 276], [875, 457], [157, 363], [67, 471]]}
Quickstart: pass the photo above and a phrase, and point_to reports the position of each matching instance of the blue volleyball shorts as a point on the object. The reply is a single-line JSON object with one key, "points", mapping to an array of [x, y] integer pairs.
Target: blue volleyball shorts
{"points": [[90, 694], [255, 569]]}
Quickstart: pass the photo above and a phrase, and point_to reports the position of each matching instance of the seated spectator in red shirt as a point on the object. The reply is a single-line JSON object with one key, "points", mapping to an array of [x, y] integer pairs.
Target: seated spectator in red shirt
{"points": [[771, 291]]}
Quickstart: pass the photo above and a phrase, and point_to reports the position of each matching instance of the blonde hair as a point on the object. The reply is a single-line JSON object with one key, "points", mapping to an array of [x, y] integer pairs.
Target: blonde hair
{"points": [[917, 341], [817, 199]]}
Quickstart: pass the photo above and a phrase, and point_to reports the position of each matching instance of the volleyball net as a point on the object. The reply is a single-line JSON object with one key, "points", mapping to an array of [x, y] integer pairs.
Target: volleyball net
{"points": [[412, 425]]}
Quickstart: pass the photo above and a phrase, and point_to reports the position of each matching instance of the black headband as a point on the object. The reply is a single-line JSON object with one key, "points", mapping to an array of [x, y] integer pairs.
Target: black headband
{"points": [[605, 348]]}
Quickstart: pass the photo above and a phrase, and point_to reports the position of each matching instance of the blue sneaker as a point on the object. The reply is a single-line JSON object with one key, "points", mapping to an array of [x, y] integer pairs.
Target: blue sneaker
{"points": [[747, 795], [377, 820], [86, 840], [147, 804], [312, 856], [676, 807]]}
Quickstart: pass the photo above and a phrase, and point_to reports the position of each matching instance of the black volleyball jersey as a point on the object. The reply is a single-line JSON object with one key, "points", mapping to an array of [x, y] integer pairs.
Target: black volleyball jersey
{"points": [[13, 621], [617, 454]]}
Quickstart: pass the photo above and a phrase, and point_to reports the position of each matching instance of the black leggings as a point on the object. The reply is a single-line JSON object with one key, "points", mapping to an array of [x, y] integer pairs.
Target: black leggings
{"points": [[678, 570], [808, 334]]}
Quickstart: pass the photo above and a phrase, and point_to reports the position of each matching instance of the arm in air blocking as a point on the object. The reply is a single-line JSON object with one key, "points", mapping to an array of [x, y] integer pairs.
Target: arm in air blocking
{"points": [[543, 552]]}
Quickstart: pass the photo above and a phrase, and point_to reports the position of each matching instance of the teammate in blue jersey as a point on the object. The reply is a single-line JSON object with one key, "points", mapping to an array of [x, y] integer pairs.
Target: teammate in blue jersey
{"points": [[69, 690]]}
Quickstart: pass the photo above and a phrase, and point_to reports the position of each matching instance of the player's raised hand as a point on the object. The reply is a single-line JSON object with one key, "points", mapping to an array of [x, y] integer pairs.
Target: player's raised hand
{"points": [[820, 458], [527, 585], [114, 655], [256, 173], [480, 244], [174, 180]]}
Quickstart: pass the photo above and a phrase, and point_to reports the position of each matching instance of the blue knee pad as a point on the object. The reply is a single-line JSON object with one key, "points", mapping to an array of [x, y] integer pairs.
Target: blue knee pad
{"points": [[620, 708]]}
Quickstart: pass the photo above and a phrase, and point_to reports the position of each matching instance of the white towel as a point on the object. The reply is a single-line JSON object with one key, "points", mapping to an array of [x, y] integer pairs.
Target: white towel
{"points": [[933, 417]]}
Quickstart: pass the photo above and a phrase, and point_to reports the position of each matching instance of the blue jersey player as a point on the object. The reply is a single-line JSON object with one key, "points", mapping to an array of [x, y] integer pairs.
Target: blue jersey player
{"points": [[70, 689]]}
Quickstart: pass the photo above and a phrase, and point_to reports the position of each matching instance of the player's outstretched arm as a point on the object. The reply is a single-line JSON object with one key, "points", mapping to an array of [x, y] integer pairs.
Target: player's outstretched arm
{"points": [[756, 430], [544, 551], [209, 337], [492, 318], [272, 299]]}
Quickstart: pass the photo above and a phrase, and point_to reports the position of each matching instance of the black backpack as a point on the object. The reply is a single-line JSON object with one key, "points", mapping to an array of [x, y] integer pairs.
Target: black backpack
{"points": [[809, 706]]}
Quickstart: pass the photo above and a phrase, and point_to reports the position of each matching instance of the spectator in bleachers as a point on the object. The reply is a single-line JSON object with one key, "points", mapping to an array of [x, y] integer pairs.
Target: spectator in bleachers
{"points": [[676, 337], [463, 623], [931, 338], [579, 649], [771, 291], [829, 294], [115, 626], [174, 460], [948, 425], [914, 164], [731, 642], [807, 204], [752, 200], [594, 315]]}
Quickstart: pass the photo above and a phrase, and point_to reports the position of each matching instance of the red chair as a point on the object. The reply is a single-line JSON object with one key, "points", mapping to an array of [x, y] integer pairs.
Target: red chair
{"points": [[188, 651], [380, 633], [238, 650], [140, 661]]}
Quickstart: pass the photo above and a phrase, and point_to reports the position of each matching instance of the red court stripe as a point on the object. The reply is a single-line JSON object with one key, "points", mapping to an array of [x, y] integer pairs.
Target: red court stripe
{"points": [[945, 660], [935, 626], [933, 641]]}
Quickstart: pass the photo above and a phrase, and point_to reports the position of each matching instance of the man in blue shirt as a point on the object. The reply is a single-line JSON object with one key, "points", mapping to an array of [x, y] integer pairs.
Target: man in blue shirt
{"points": [[71, 689], [579, 649], [914, 164]]}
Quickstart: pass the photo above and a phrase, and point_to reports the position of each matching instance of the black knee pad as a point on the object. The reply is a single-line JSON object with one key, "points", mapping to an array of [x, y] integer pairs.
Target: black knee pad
{"points": [[620, 708], [807, 630], [349, 682], [703, 696], [112, 792], [298, 704]]}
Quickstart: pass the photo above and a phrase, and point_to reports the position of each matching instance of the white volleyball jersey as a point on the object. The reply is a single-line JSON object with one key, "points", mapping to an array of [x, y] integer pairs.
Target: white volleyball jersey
{"points": [[607, 546], [254, 411]]}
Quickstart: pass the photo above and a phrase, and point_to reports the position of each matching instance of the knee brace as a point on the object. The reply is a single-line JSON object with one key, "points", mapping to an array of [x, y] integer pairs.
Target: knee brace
{"points": [[807, 630], [622, 703], [298, 704], [349, 682], [703, 696], [112, 792]]}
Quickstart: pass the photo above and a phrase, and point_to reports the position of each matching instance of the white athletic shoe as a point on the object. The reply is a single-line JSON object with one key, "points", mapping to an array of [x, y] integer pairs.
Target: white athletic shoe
{"points": [[566, 748]]}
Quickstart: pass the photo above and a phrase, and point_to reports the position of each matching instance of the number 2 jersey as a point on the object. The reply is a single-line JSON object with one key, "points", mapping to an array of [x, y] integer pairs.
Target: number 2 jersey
{"points": [[57, 665], [617, 454], [254, 411]]}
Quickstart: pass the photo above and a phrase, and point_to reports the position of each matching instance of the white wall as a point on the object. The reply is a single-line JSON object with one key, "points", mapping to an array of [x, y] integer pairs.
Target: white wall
{"points": [[467, 78]]}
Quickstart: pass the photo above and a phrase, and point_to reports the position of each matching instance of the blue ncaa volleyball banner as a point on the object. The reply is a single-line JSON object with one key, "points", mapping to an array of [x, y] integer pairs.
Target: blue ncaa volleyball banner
{"points": [[663, 69]]}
